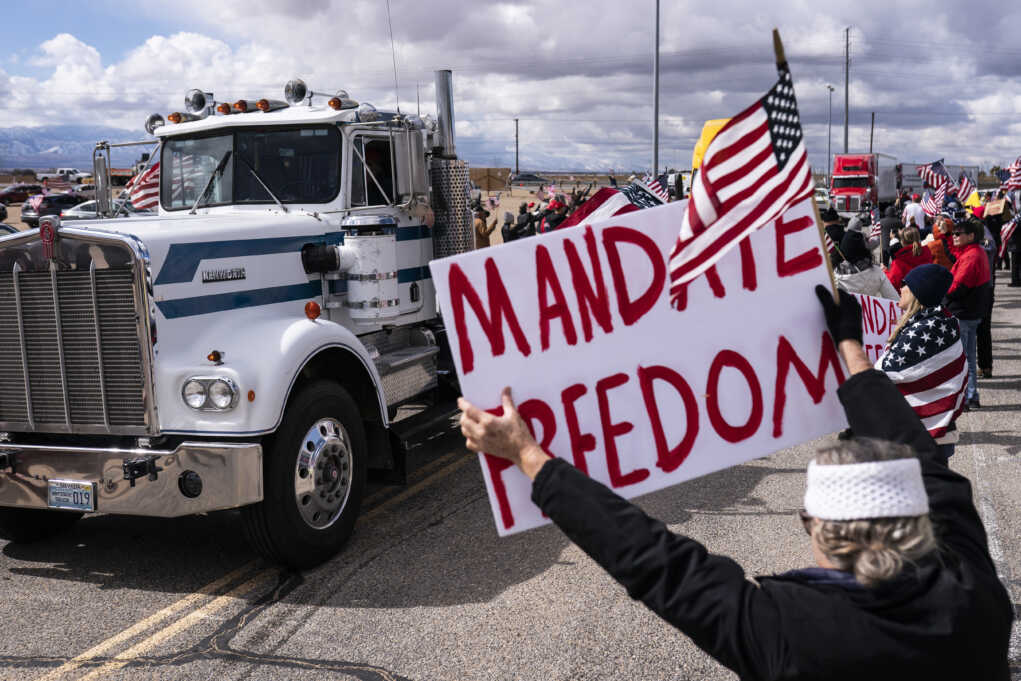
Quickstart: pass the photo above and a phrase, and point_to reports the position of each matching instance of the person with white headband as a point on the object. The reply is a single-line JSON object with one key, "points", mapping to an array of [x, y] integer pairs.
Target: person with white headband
{"points": [[904, 586]]}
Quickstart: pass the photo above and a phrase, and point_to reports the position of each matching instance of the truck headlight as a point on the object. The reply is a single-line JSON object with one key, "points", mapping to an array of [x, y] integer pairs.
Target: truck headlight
{"points": [[221, 394], [210, 393], [194, 393]]}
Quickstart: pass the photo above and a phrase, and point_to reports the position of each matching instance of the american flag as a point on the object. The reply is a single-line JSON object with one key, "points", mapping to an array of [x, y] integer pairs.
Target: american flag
{"points": [[608, 202], [753, 171], [830, 247], [655, 187], [932, 204], [144, 189], [965, 186], [1006, 232], [1013, 179], [926, 362], [934, 174], [876, 231]]}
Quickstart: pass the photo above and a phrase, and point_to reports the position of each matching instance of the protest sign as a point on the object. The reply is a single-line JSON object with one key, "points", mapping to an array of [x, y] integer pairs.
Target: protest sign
{"points": [[633, 392], [995, 207]]}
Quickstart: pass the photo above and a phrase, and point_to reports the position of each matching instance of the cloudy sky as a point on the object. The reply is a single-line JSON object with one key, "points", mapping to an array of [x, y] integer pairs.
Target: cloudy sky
{"points": [[942, 76]]}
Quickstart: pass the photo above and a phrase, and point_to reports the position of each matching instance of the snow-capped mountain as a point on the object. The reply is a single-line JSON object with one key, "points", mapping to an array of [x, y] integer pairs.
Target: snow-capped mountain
{"points": [[63, 145]]}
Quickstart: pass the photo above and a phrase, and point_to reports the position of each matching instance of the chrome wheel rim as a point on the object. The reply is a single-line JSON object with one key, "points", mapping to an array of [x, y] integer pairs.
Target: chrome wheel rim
{"points": [[323, 473]]}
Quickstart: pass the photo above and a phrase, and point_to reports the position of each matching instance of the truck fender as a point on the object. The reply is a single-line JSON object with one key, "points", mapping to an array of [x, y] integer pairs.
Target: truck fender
{"points": [[268, 358]]}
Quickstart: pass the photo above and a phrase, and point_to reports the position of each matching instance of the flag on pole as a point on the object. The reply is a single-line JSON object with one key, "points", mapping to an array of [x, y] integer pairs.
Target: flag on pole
{"points": [[144, 188], [934, 174], [932, 204], [655, 187], [753, 171], [1013, 176], [1006, 232], [965, 186], [830, 247], [608, 202], [876, 231], [928, 365]]}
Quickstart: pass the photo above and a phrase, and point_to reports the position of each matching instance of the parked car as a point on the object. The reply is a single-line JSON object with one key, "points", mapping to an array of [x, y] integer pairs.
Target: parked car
{"points": [[18, 193], [822, 198], [51, 204], [90, 210], [526, 179], [87, 191]]}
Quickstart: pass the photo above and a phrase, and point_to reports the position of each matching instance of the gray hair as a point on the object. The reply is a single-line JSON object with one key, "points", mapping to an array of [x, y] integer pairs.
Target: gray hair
{"points": [[874, 550]]}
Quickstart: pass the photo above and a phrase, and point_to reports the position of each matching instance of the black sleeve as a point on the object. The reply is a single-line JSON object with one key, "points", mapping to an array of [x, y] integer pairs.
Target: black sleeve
{"points": [[960, 294], [875, 408], [704, 595]]}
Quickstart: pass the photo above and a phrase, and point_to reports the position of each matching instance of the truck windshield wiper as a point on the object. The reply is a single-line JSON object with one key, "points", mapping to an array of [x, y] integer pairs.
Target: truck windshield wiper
{"points": [[259, 180], [209, 183]]}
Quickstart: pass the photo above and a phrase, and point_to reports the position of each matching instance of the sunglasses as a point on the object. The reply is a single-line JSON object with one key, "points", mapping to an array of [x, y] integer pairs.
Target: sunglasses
{"points": [[958, 232], [806, 521]]}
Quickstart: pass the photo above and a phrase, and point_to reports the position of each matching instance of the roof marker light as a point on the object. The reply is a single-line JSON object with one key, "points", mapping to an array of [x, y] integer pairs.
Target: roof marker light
{"points": [[266, 105], [153, 121], [242, 106], [224, 108]]}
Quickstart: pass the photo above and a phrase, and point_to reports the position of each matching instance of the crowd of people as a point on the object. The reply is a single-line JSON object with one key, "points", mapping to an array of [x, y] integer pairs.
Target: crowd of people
{"points": [[876, 255]]}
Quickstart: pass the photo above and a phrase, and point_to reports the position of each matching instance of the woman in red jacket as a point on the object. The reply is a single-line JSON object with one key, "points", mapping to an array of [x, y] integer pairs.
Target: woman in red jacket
{"points": [[911, 255]]}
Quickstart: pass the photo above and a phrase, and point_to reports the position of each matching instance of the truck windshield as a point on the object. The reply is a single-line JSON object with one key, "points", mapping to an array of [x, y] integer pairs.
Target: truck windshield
{"points": [[839, 182], [296, 164]]}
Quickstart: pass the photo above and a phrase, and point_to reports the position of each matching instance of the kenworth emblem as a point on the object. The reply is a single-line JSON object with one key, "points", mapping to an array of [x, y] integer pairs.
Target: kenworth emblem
{"points": [[48, 236], [229, 274]]}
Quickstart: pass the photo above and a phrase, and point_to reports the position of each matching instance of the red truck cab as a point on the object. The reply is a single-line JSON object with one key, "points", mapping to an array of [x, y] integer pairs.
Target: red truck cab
{"points": [[852, 182]]}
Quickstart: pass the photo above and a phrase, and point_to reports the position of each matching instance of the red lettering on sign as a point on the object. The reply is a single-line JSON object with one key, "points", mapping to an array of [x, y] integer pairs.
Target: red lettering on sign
{"points": [[580, 442], [712, 276], [592, 302], [749, 278], [669, 458], [631, 310], [868, 321], [877, 308], [461, 290], [546, 282], [786, 357], [530, 410], [802, 262], [611, 431], [893, 315], [729, 358]]}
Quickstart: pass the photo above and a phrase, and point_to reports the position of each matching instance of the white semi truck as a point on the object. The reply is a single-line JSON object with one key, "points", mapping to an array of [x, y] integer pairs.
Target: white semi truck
{"points": [[249, 346]]}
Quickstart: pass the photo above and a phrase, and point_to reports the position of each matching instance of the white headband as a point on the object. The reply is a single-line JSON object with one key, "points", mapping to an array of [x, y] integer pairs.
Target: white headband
{"points": [[877, 489]]}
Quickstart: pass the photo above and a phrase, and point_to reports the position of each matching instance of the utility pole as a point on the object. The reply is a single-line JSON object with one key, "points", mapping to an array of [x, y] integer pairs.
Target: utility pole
{"points": [[655, 100], [829, 140], [516, 169], [847, 70], [872, 130]]}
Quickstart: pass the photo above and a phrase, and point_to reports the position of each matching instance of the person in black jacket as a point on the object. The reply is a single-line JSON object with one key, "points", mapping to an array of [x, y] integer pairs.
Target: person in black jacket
{"points": [[883, 603]]}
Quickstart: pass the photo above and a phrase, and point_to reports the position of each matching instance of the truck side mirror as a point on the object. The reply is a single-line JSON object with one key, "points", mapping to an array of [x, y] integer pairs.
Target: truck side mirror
{"points": [[410, 167]]}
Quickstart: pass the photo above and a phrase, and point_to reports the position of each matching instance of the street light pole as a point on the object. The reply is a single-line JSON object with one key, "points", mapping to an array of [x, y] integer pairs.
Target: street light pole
{"points": [[655, 101], [829, 141]]}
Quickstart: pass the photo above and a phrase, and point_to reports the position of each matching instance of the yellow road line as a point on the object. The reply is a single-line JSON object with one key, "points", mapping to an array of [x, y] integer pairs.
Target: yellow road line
{"points": [[424, 470], [416, 488], [195, 598], [148, 623], [148, 645]]}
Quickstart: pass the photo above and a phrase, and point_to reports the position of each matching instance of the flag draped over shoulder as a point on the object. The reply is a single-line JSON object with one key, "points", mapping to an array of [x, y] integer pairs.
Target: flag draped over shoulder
{"points": [[608, 202], [928, 365], [752, 172], [144, 189]]}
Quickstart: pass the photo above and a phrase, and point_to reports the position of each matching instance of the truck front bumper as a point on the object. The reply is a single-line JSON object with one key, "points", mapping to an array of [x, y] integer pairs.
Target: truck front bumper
{"points": [[230, 473]]}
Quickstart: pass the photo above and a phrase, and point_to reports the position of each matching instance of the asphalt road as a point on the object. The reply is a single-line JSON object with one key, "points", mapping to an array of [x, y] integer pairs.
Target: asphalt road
{"points": [[425, 589]]}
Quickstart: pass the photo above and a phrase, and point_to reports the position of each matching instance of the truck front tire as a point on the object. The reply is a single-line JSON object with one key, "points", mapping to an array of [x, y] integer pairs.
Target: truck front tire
{"points": [[313, 479]]}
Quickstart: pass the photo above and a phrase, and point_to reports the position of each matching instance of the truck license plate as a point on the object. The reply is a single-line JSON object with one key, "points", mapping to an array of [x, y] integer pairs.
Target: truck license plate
{"points": [[71, 495]]}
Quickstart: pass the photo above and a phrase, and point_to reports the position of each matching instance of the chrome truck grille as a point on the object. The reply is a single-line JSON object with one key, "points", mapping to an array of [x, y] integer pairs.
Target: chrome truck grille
{"points": [[72, 353]]}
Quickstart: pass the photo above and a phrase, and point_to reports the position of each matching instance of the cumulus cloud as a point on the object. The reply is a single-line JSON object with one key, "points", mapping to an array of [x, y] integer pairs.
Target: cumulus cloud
{"points": [[939, 75]]}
